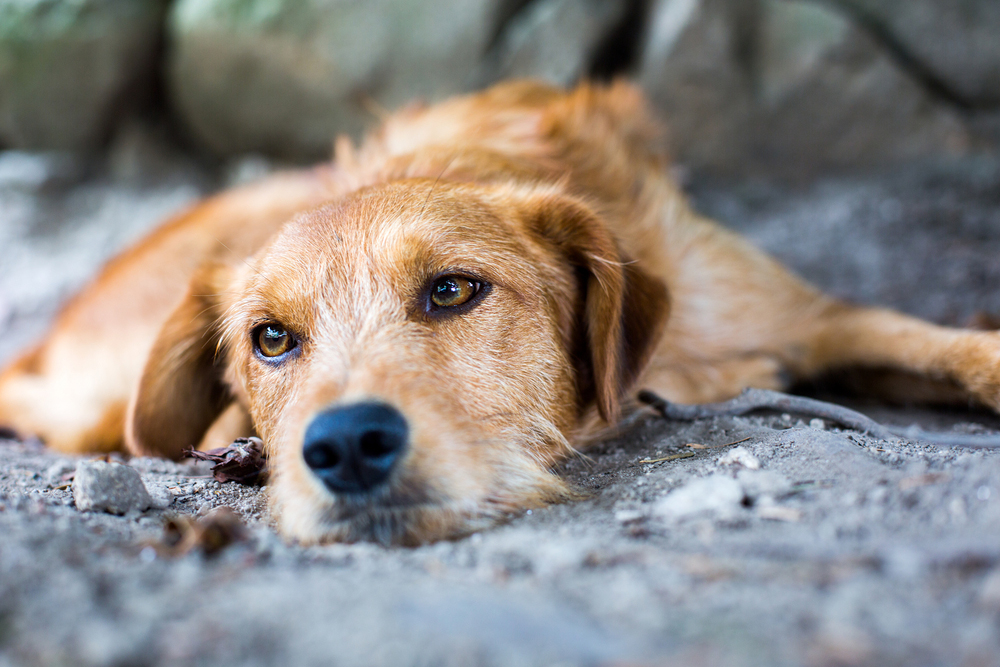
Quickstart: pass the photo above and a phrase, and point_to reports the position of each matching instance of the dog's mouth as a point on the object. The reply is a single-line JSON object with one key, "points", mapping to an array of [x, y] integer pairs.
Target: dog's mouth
{"points": [[410, 525], [402, 518]]}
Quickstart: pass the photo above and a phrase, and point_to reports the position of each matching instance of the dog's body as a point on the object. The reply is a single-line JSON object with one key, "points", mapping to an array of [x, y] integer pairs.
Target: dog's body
{"points": [[462, 296]]}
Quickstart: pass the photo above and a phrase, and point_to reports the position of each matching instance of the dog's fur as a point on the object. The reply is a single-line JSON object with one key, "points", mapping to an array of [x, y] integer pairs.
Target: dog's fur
{"points": [[599, 278]]}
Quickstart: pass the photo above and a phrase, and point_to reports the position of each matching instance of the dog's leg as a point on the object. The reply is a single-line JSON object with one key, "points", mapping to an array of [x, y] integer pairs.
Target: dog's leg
{"points": [[741, 320]]}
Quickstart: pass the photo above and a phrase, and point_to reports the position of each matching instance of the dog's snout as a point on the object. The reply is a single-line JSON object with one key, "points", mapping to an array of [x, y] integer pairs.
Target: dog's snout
{"points": [[353, 448]]}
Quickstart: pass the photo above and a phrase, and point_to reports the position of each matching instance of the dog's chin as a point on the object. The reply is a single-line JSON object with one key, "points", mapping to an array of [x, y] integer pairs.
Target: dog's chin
{"points": [[397, 519], [387, 524]]}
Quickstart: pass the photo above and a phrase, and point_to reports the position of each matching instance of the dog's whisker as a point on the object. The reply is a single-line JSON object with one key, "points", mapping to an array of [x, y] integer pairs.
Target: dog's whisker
{"points": [[437, 179], [237, 256]]}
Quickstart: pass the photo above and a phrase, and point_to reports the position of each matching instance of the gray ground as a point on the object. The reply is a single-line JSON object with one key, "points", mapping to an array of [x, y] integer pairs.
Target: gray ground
{"points": [[803, 545]]}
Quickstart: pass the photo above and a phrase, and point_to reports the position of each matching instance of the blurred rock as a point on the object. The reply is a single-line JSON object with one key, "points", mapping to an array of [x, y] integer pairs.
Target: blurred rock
{"points": [[67, 67], [786, 84], [955, 43], [716, 495], [744, 85], [160, 497], [553, 40], [285, 78], [115, 488], [829, 95], [740, 456], [695, 67]]}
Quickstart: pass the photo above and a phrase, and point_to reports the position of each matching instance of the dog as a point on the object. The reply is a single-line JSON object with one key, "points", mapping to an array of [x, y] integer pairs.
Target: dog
{"points": [[422, 328]]}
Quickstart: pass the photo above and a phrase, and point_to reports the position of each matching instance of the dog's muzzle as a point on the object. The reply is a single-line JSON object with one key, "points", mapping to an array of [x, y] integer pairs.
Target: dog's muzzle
{"points": [[354, 448]]}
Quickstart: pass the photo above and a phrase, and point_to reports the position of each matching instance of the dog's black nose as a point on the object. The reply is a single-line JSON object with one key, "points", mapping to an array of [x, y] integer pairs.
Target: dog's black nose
{"points": [[353, 448]]}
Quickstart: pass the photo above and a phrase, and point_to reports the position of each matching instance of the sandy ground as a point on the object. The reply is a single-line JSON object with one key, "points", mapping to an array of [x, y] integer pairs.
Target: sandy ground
{"points": [[802, 545]]}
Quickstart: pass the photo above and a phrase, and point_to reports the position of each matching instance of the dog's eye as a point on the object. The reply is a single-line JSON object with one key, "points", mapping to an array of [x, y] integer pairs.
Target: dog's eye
{"points": [[271, 340], [451, 291]]}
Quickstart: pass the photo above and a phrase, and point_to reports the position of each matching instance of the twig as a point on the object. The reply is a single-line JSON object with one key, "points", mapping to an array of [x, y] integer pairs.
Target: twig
{"points": [[765, 399], [725, 444], [672, 457]]}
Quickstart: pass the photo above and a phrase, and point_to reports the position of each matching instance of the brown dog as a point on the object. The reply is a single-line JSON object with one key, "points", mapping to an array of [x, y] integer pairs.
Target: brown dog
{"points": [[420, 330]]}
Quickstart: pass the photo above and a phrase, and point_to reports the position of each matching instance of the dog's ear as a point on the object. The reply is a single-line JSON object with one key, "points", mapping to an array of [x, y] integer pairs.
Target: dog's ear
{"points": [[181, 391], [621, 308]]}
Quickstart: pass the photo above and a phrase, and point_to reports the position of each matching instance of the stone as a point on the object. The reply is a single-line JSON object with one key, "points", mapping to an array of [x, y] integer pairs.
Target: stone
{"points": [[553, 40], [952, 43], [786, 85], [159, 496], [740, 456], [831, 95], [695, 68], [69, 67], [717, 496], [115, 488], [286, 78]]}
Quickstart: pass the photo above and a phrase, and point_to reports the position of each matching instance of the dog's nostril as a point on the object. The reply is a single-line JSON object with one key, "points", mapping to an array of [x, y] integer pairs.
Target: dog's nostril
{"points": [[320, 456], [375, 444], [354, 448]]}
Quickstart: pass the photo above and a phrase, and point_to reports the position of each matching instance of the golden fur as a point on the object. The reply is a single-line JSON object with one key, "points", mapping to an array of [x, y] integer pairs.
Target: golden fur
{"points": [[600, 279]]}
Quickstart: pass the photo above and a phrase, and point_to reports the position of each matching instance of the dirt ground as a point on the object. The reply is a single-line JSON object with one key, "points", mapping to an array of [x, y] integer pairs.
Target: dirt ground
{"points": [[804, 544]]}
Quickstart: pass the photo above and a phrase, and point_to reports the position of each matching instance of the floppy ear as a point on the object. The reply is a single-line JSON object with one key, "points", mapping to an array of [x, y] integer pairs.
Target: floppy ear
{"points": [[181, 391], [623, 307]]}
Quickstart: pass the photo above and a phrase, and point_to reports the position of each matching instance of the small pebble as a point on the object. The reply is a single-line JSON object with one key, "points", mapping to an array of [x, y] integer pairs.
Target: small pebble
{"points": [[160, 496], [740, 456], [718, 495], [115, 488]]}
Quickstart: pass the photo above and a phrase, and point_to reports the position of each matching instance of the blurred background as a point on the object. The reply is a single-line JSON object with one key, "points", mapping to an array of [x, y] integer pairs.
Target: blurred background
{"points": [[780, 85], [115, 113]]}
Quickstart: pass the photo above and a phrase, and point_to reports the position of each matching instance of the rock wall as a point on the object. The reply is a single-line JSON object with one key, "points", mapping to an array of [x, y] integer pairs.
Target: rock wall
{"points": [[69, 67], [780, 85]]}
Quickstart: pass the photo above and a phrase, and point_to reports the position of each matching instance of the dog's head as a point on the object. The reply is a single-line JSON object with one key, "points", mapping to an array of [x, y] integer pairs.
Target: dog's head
{"points": [[416, 356]]}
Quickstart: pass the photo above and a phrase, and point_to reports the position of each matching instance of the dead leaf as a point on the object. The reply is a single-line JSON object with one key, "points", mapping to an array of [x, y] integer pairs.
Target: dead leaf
{"points": [[242, 462], [209, 534]]}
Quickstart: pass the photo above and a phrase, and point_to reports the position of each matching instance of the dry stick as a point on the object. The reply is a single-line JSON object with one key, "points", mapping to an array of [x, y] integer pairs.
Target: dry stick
{"points": [[672, 457], [765, 399]]}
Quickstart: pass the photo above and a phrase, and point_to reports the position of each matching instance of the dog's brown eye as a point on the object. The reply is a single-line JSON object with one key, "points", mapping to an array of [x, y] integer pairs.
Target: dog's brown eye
{"points": [[451, 291], [272, 340]]}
